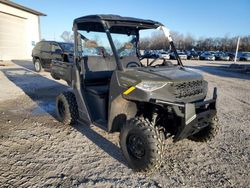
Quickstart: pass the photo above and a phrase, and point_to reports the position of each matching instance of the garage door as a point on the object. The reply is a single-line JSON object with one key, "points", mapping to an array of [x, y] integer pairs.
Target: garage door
{"points": [[12, 37]]}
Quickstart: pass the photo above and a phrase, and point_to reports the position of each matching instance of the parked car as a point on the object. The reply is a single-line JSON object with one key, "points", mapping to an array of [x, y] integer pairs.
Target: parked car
{"points": [[232, 56], [165, 55], [221, 56], [192, 55], [245, 56], [151, 54], [207, 56], [182, 55], [46, 51]]}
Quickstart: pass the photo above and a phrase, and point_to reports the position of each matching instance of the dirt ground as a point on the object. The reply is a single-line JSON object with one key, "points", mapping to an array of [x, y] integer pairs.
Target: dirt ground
{"points": [[38, 151]]}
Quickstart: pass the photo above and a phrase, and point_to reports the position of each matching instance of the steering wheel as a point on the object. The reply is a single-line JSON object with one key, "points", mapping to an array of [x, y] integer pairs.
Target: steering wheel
{"points": [[133, 64]]}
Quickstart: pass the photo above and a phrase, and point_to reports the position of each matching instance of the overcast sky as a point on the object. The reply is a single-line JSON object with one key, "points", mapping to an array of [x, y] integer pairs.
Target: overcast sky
{"points": [[208, 18]]}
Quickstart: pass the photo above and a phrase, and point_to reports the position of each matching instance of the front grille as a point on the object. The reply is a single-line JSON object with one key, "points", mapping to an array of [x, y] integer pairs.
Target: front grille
{"points": [[188, 89]]}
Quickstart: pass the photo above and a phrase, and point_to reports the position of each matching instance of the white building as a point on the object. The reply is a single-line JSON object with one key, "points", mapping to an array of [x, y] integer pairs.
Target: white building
{"points": [[19, 30]]}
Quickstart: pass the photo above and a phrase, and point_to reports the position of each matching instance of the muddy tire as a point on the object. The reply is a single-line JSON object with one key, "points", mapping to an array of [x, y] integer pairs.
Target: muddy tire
{"points": [[142, 144], [66, 108], [37, 65], [208, 133]]}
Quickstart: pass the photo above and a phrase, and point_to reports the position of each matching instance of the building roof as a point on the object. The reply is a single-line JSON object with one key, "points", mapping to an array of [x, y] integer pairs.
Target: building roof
{"points": [[15, 5]]}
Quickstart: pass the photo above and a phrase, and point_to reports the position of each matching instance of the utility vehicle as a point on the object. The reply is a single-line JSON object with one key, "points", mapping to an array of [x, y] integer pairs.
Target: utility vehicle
{"points": [[146, 101]]}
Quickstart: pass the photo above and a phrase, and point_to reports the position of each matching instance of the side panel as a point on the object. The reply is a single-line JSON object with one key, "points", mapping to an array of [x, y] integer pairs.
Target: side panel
{"points": [[79, 93], [62, 70], [120, 109], [76, 82]]}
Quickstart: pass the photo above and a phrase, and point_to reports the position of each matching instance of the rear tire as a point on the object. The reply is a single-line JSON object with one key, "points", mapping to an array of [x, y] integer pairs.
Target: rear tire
{"points": [[142, 144], [66, 108], [38, 65], [208, 133]]}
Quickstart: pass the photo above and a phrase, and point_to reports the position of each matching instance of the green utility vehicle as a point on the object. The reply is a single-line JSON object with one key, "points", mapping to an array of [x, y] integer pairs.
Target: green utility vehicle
{"points": [[113, 87]]}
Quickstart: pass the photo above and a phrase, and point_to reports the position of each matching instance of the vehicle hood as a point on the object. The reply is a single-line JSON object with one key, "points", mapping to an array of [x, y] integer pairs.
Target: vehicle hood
{"points": [[181, 83], [170, 74], [175, 73]]}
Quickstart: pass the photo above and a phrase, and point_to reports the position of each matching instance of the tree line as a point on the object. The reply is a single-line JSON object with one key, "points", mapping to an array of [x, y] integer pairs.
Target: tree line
{"points": [[188, 42], [157, 41]]}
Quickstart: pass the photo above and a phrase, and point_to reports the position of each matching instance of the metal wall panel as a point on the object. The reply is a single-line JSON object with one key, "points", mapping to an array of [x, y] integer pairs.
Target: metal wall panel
{"points": [[12, 37]]}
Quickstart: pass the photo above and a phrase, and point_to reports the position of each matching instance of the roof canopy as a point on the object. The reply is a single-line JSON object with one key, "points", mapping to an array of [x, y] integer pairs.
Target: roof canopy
{"points": [[115, 23]]}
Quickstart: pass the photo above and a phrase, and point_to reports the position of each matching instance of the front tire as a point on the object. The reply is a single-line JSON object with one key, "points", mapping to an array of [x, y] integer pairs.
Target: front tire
{"points": [[38, 65], [66, 108], [208, 133], [142, 144]]}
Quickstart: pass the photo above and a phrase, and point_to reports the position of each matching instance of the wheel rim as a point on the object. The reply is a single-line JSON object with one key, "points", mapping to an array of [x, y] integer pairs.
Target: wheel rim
{"points": [[135, 146], [61, 109], [37, 65]]}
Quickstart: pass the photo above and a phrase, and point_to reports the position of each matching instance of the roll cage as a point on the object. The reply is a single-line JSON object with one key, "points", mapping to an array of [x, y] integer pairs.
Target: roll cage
{"points": [[116, 24]]}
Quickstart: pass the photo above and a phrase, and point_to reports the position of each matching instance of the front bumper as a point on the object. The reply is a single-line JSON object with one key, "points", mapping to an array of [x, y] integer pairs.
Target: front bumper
{"points": [[194, 116]]}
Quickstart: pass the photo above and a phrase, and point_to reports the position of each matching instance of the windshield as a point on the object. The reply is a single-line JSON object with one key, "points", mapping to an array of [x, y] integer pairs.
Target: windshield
{"points": [[94, 44], [67, 46], [125, 44], [95, 51], [151, 50]]}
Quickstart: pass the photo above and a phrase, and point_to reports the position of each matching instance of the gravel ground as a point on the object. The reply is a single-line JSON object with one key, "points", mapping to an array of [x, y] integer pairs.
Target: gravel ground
{"points": [[38, 151]]}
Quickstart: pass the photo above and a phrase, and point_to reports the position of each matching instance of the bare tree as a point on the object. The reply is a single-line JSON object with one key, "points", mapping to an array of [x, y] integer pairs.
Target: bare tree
{"points": [[144, 43], [67, 36], [187, 42]]}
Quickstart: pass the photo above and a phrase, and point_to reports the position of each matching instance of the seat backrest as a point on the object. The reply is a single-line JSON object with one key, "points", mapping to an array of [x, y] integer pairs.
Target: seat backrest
{"points": [[95, 70], [94, 63]]}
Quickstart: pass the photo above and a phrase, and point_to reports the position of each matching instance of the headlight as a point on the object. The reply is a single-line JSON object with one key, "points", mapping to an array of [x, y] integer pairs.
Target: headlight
{"points": [[151, 86]]}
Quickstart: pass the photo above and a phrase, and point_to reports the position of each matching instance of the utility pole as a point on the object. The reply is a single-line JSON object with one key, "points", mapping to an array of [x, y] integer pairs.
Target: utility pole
{"points": [[237, 48]]}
